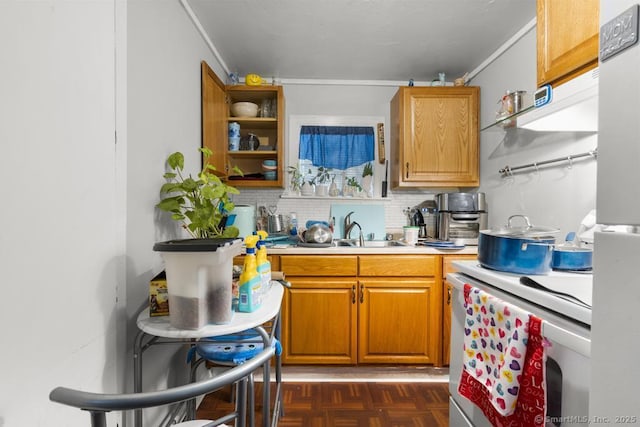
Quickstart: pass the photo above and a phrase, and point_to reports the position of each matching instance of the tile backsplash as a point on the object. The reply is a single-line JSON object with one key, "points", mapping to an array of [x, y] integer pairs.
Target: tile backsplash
{"points": [[317, 208]]}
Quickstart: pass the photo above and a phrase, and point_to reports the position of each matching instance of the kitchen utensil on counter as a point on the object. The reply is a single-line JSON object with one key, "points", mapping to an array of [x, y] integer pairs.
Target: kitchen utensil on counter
{"points": [[443, 246], [528, 281], [275, 222], [569, 256], [517, 249], [318, 232]]}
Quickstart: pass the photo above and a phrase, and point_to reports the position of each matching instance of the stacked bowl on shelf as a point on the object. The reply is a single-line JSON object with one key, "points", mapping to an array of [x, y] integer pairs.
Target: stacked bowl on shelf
{"points": [[270, 168], [244, 109]]}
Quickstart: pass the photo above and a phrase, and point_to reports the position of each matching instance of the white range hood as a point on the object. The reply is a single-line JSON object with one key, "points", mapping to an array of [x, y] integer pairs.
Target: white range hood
{"points": [[573, 107]]}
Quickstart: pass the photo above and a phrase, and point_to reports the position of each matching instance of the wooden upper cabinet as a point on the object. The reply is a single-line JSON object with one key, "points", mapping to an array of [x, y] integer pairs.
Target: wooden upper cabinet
{"points": [[567, 36], [434, 137], [214, 115]]}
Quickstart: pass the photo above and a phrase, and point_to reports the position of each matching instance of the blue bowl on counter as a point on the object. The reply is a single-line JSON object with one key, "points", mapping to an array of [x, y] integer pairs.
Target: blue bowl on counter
{"points": [[270, 175]]}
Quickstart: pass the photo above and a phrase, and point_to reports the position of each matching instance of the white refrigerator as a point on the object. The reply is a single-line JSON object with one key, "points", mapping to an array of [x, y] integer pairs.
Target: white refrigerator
{"points": [[615, 331]]}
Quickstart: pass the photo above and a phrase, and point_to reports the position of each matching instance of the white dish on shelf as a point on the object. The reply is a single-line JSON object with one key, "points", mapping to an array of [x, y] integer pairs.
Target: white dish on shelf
{"points": [[244, 109]]}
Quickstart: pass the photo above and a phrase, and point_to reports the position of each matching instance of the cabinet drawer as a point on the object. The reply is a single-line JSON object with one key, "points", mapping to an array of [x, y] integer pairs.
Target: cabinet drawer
{"points": [[314, 265], [399, 265]]}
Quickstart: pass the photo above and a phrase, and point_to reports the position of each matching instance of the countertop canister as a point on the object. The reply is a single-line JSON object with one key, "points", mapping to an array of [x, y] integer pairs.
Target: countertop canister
{"points": [[245, 219]]}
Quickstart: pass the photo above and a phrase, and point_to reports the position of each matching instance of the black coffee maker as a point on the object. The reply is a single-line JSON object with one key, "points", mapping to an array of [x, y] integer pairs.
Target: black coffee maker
{"points": [[424, 216]]}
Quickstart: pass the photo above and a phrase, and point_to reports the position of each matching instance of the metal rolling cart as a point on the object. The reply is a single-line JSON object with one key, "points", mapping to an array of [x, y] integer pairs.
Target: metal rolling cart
{"points": [[157, 330]]}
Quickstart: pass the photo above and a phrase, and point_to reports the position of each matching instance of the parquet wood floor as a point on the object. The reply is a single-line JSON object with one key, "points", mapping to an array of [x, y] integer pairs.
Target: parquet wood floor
{"points": [[357, 404]]}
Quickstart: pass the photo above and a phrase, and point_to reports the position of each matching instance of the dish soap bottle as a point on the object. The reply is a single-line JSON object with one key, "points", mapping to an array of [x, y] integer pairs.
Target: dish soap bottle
{"points": [[264, 266], [249, 285]]}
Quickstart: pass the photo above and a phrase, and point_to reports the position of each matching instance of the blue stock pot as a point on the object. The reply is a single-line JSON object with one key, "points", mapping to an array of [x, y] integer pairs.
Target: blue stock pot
{"points": [[517, 249]]}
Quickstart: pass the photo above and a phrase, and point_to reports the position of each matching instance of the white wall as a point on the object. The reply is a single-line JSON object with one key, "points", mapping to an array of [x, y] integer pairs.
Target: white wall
{"points": [[61, 247], [556, 197], [163, 65], [79, 219]]}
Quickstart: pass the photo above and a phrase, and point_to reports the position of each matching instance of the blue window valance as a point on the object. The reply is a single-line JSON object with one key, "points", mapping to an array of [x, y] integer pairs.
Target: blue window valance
{"points": [[337, 147]]}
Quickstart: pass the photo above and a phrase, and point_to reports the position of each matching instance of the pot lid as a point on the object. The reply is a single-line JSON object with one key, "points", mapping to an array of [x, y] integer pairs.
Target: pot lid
{"points": [[522, 231]]}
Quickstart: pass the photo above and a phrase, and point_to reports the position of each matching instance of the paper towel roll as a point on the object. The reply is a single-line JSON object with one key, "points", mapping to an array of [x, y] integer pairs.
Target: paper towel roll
{"points": [[245, 219]]}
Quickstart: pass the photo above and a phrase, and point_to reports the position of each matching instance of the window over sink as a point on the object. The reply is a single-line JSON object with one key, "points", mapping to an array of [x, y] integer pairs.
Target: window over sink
{"points": [[333, 153]]}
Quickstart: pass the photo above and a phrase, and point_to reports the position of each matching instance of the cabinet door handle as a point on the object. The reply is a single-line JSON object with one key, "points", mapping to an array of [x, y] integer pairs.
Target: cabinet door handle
{"points": [[361, 293], [353, 294], [448, 295], [407, 170]]}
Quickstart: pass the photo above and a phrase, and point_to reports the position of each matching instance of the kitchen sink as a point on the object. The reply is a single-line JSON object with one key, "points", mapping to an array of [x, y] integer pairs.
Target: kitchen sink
{"points": [[355, 243]]}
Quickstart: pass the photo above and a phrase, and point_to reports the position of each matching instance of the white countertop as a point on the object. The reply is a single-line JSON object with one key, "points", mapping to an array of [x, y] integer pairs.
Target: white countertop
{"points": [[393, 250]]}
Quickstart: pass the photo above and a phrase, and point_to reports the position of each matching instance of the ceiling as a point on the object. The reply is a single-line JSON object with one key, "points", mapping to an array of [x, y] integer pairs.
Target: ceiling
{"points": [[394, 40]]}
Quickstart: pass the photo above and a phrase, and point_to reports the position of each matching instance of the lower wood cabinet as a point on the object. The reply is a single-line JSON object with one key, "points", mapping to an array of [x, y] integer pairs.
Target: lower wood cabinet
{"points": [[362, 309], [319, 321], [398, 321]]}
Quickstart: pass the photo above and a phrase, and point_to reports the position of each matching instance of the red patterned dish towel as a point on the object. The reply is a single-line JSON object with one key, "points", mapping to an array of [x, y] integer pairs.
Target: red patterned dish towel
{"points": [[504, 359]]}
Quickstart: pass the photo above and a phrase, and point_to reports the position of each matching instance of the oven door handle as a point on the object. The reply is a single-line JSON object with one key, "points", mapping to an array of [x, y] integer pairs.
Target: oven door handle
{"points": [[560, 336]]}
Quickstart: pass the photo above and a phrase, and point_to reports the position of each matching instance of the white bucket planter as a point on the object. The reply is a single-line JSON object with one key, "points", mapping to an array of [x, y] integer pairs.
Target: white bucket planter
{"points": [[199, 280]]}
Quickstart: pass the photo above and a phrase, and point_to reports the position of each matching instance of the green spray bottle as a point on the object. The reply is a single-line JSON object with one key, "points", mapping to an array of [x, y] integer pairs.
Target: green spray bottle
{"points": [[249, 285], [264, 266]]}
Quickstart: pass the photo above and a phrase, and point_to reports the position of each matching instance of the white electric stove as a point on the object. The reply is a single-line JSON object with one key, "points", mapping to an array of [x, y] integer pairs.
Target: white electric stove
{"points": [[566, 327], [579, 285]]}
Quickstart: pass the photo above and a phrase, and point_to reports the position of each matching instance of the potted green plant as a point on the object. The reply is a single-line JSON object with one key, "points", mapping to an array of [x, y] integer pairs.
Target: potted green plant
{"points": [[333, 188], [201, 204], [322, 181], [367, 179], [307, 185], [353, 186], [296, 180]]}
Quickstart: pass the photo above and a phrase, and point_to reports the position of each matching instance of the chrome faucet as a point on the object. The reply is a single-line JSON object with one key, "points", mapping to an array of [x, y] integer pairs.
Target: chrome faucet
{"points": [[349, 225], [346, 228]]}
